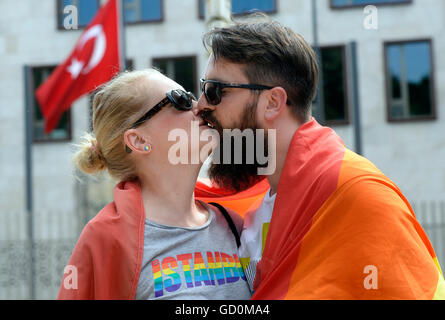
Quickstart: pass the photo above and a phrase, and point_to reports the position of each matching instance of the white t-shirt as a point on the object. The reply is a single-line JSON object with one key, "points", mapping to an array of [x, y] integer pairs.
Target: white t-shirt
{"points": [[253, 237]]}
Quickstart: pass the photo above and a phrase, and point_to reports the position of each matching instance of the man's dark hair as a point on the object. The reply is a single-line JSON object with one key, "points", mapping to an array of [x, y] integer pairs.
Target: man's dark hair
{"points": [[273, 55]]}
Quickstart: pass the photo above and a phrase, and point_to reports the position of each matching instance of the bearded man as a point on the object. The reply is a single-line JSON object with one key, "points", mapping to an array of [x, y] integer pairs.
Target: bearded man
{"points": [[332, 225]]}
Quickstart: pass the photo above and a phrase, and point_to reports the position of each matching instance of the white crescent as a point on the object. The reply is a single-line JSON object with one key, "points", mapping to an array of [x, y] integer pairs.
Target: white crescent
{"points": [[100, 44]]}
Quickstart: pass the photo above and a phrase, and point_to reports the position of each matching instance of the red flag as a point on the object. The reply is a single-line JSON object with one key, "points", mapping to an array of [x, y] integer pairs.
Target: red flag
{"points": [[95, 59]]}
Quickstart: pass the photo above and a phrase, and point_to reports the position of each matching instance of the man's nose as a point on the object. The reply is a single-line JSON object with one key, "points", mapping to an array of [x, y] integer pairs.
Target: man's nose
{"points": [[202, 105]]}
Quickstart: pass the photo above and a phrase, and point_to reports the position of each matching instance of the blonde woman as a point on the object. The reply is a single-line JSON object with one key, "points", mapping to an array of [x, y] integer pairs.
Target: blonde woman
{"points": [[154, 241]]}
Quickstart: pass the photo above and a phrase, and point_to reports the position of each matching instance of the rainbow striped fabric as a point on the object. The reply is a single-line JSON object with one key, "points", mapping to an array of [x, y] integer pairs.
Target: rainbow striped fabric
{"points": [[222, 268]]}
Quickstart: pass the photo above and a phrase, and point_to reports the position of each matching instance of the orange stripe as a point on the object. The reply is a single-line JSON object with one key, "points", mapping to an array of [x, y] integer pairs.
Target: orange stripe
{"points": [[240, 202], [363, 223]]}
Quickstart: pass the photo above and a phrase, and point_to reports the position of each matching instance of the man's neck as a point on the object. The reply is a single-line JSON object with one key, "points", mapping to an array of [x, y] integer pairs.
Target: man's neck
{"points": [[284, 136]]}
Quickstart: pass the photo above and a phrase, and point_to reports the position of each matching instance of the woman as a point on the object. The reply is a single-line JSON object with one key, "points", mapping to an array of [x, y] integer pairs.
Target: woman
{"points": [[154, 241]]}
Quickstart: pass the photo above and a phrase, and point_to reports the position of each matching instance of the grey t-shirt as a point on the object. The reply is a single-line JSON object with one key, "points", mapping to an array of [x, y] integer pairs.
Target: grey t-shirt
{"points": [[192, 263]]}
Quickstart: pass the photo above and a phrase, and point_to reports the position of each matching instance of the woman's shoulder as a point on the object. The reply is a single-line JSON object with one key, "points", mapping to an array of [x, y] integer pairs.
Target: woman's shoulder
{"points": [[98, 226]]}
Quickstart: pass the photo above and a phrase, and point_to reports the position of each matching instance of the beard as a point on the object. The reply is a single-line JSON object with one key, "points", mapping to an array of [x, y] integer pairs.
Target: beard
{"points": [[224, 170]]}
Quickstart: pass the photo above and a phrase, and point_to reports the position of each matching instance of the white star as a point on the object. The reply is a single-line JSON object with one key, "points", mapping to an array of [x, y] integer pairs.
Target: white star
{"points": [[75, 68]]}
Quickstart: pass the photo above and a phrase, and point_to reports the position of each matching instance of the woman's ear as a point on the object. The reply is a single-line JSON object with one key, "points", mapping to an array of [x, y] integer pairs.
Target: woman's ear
{"points": [[135, 142], [277, 98]]}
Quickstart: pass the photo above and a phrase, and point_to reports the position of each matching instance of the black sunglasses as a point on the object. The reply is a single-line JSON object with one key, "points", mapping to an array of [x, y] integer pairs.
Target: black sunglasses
{"points": [[180, 99], [212, 89]]}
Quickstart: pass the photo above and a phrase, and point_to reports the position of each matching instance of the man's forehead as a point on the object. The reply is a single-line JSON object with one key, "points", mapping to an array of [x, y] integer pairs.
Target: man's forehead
{"points": [[224, 70]]}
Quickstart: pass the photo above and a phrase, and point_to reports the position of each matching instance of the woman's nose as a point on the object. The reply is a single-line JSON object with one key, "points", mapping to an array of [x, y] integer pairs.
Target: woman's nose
{"points": [[202, 105]]}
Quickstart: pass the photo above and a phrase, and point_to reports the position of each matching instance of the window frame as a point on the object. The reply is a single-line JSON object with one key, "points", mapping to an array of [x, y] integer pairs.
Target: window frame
{"points": [[160, 20], [194, 66], [59, 15], [370, 2], [345, 70], [433, 115], [274, 11], [35, 139]]}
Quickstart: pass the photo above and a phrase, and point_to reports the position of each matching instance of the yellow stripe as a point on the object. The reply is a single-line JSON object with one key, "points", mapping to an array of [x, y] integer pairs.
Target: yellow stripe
{"points": [[440, 289], [264, 236], [436, 261], [245, 262]]}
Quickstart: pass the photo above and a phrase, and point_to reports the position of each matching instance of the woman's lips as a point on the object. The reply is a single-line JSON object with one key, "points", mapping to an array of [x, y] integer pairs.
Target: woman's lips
{"points": [[206, 123]]}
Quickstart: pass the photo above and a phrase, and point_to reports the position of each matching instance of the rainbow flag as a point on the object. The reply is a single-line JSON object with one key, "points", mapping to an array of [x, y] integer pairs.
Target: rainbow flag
{"points": [[238, 202], [341, 229]]}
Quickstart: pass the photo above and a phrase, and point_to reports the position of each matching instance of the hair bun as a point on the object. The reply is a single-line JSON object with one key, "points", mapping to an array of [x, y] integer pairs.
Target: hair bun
{"points": [[89, 158]]}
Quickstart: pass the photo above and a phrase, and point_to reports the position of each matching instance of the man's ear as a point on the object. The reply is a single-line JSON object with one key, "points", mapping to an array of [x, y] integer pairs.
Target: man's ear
{"points": [[135, 141], [277, 98]]}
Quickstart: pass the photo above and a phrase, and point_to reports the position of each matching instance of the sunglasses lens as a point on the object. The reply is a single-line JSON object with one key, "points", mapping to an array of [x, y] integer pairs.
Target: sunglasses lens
{"points": [[213, 93], [182, 100]]}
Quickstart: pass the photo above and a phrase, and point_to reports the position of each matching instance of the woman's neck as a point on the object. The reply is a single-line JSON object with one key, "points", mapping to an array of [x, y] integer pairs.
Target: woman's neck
{"points": [[168, 196]]}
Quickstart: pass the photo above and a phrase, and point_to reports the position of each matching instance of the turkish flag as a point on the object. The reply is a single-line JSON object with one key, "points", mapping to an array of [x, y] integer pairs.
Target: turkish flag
{"points": [[95, 59]]}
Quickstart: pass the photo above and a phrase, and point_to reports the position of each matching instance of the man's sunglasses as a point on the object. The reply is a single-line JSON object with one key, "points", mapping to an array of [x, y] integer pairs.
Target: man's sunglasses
{"points": [[180, 99], [212, 89]]}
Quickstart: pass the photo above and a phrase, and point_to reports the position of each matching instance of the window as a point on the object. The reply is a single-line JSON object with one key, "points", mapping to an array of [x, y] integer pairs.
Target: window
{"points": [[181, 69], [63, 130], [139, 11], [409, 80], [335, 95], [361, 3], [245, 6], [86, 10]]}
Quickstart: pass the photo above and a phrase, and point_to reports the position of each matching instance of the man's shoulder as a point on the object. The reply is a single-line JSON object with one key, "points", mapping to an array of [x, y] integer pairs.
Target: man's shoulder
{"points": [[354, 165], [374, 196]]}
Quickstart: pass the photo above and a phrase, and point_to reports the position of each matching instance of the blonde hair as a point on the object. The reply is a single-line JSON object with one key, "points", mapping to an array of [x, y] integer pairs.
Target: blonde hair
{"points": [[116, 106]]}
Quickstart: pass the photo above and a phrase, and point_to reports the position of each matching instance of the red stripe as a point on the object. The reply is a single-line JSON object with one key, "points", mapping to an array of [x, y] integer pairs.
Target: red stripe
{"points": [[309, 177]]}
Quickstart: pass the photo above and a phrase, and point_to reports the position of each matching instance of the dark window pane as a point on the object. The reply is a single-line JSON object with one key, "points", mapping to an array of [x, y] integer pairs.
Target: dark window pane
{"points": [[409, 69], [184, 73], [418, 71], [344, 3], [182, 70], [202, 11], [162, 66], [62, 131], [86, 9], [244, 6], [130, 11], [395, 70], [334, 91], [142, 10], [151, 10]]}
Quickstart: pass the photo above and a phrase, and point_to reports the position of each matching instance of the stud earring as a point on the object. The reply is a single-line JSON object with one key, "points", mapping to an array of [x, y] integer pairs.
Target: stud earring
{"points": [[147, 148]]}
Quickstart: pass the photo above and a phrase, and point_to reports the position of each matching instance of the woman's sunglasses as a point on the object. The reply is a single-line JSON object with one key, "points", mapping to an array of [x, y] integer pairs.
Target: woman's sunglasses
{"points": [[180, 99], [212, 89]]}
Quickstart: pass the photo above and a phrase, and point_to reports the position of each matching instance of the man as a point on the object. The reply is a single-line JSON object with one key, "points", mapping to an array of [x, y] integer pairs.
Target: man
{"points": [[336, 227]]}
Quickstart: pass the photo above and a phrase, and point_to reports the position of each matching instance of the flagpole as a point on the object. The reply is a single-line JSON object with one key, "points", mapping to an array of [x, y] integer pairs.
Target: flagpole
{"points": [[319, 110], [123, 39], [29, 183]]}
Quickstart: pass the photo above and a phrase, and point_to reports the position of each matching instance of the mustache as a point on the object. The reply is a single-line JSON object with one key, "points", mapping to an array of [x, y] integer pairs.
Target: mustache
{"points": [[208, 117], [231, 174]]}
